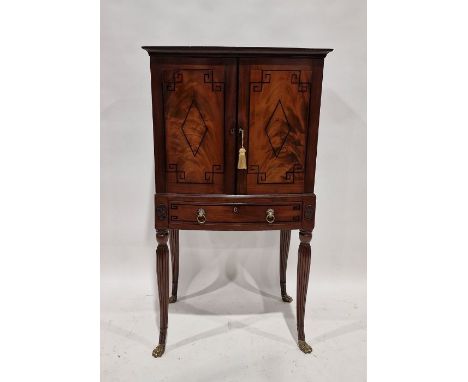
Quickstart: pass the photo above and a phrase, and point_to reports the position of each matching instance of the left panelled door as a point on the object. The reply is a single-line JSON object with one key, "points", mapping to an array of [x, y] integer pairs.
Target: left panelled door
{"points": [[194, 114]]}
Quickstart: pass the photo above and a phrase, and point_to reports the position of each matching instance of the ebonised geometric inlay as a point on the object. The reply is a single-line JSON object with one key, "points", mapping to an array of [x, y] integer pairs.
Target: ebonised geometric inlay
{"points": [[288, 178], [208, 178], [265, 78], [208, 78], [277, 129], [194, 127]]}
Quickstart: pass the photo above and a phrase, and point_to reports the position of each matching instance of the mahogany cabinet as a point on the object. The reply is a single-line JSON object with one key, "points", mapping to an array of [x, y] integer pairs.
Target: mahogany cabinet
{"points": [[235, 142]]}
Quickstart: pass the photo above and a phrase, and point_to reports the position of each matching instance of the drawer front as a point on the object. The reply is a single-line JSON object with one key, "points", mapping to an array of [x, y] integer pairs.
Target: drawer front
{"points": [[265, 216]]}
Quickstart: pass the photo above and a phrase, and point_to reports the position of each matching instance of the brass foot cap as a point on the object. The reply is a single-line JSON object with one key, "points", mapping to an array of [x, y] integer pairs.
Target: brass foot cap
{"points": [[159, 351], [172, 299], [304, 346], [286, 298]]}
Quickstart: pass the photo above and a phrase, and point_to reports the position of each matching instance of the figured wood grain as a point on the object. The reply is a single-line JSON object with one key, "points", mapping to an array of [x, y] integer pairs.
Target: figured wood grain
{"points": [[276, 108], [194, 115], [194, 120]]}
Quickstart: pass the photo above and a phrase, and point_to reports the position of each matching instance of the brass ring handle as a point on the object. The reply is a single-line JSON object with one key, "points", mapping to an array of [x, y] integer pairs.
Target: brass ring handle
{"points": [[270, 215], [201, 216]]}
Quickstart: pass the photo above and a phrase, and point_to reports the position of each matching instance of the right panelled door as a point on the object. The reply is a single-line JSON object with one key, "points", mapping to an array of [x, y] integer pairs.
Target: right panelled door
{"points": [[278, 110]]}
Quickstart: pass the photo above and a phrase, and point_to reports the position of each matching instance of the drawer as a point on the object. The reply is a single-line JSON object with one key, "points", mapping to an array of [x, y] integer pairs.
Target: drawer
{"points": [[264, 215]]}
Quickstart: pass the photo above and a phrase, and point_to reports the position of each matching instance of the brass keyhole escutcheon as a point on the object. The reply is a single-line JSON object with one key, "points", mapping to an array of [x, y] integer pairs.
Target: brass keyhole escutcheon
{"points": [[235, 210]]}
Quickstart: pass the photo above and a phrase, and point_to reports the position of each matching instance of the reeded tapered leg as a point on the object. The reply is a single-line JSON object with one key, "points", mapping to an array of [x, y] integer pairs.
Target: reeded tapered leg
{"points": [[174, 245], [285, 238], [303, 267], [162, 270]]}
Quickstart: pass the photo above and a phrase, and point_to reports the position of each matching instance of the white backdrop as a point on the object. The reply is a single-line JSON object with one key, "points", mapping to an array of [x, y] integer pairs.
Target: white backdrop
{"points": [[229, 311]]}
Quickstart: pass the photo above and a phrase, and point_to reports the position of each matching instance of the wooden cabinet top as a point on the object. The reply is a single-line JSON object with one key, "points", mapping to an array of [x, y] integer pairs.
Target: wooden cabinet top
{"points": [[224, 51]]}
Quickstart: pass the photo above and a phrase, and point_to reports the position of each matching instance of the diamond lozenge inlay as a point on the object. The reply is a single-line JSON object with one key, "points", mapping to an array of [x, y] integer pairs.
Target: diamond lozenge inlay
{"points": [[194, 128], [277, 129]]}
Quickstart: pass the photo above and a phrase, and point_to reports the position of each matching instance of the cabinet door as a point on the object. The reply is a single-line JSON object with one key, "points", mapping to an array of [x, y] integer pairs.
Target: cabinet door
{"points": [[279, 102], [196, 116]]}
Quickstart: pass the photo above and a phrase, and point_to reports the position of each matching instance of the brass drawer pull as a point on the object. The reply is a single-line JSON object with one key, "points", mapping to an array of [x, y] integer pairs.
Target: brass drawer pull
{"points": [[201, 216], [270, 215]]}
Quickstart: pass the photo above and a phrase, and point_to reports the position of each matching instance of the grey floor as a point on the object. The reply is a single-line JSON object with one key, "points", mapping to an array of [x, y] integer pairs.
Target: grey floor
{"points": [[229, 323]]}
